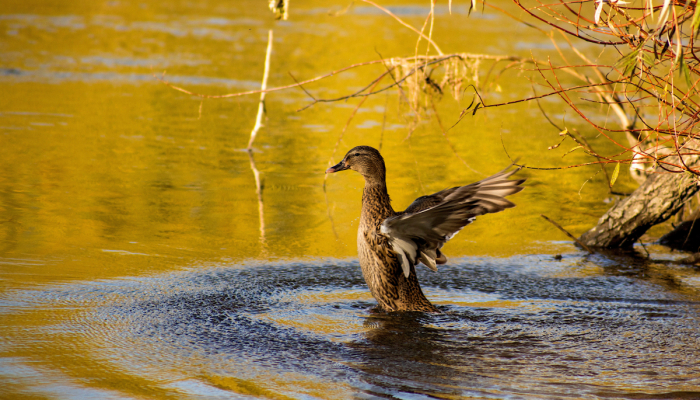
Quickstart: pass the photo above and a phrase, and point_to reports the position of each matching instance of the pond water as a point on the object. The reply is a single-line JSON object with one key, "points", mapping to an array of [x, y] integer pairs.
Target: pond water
{"points": [[139, 259]]}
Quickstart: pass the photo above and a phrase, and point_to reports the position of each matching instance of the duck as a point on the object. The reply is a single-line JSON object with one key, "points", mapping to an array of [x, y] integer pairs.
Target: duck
{"points": [[391, 244]]}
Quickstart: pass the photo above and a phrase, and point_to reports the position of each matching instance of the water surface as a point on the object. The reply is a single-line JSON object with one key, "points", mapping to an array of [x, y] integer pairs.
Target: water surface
{"points": [[139, 260]]}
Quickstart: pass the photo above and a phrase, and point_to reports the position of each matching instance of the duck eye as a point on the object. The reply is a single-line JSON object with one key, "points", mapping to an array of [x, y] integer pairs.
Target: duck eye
{"points": [[357, 154]]}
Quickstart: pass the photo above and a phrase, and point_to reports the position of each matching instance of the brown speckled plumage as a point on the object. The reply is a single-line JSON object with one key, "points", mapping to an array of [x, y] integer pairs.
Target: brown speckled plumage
{"points": [[391, 244]]}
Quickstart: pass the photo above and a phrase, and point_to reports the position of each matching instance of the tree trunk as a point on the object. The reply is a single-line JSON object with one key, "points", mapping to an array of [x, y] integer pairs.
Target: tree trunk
{"points": [[655, 201]]}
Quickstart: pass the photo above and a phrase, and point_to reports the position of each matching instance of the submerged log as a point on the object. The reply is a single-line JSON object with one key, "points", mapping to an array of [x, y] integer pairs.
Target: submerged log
{"points": [[656, 200]]}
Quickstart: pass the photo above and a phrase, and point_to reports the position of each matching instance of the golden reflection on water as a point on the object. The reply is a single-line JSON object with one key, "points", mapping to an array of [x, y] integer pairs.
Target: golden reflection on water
{"points": [[106, 173], [335, 326], [299, 383], [96, 162]]}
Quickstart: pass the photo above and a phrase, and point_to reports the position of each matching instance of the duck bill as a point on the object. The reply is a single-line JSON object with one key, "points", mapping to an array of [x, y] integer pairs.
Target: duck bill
{"points": [[338, 167]]}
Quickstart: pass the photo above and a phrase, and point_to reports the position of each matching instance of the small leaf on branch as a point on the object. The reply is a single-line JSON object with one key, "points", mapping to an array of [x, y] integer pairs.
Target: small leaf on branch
{"points": [[598, 10], [554, 146], [628, 63], [665, 12], [666, 46], [616, 172], [671, 32], [564, 132], [684, 70], [470, 104], [696, 20], [476, 108], [575, 148], [631, 56], [647, 59]]}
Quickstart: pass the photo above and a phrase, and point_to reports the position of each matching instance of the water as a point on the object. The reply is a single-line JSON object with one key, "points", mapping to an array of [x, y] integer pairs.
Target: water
{"points": [[522, 327], [139, 260]]}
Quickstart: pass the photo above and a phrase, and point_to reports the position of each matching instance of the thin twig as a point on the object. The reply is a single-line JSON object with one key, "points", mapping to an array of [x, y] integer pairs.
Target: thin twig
{"points": [[437, 48], [568, 234], [335, 149], [415, 161], [345, 128], [644, 247], [381, 135], [447, 139]]}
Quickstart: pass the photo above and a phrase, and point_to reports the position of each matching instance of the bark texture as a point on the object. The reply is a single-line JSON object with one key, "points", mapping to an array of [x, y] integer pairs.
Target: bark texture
{"points": [[655, 201]]}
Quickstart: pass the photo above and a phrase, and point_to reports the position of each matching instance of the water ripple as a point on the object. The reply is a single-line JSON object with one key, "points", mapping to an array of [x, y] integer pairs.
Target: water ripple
{"points": [[509, 329]]}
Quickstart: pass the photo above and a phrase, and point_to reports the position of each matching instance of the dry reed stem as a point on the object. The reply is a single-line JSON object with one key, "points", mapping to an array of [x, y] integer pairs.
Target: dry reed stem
{"points": [[437, 48], [644, 77], [263, 86], [253, 134]]}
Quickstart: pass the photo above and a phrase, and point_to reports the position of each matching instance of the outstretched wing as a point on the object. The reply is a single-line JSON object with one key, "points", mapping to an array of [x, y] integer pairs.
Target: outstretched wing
{"points": [[422, 229]]}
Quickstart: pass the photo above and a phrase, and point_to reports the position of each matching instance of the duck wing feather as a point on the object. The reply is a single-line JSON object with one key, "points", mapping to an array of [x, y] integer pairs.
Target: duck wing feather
{"points": [[418, 233]]}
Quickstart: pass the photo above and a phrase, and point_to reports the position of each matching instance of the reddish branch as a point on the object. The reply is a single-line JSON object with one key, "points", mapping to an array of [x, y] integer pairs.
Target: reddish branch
{"points": [[659, 69]]}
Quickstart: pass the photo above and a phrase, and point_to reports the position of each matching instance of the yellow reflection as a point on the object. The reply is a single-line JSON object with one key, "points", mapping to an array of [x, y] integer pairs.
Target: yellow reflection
{"points": [[334, 326], [583, 270], [333, 297], [246, 387], [274, 384], [106, 173]]}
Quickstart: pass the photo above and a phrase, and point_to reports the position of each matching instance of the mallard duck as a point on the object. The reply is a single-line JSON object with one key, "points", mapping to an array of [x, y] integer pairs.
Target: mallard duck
{"points": [[390, 244]]}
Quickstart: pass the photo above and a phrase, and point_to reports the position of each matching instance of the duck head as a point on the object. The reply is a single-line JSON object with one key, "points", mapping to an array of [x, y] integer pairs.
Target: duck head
{"points": [[365, 160]]}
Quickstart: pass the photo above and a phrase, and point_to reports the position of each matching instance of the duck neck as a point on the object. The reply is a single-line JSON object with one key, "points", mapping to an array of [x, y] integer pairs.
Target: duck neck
{"points": [[376, 204]]}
